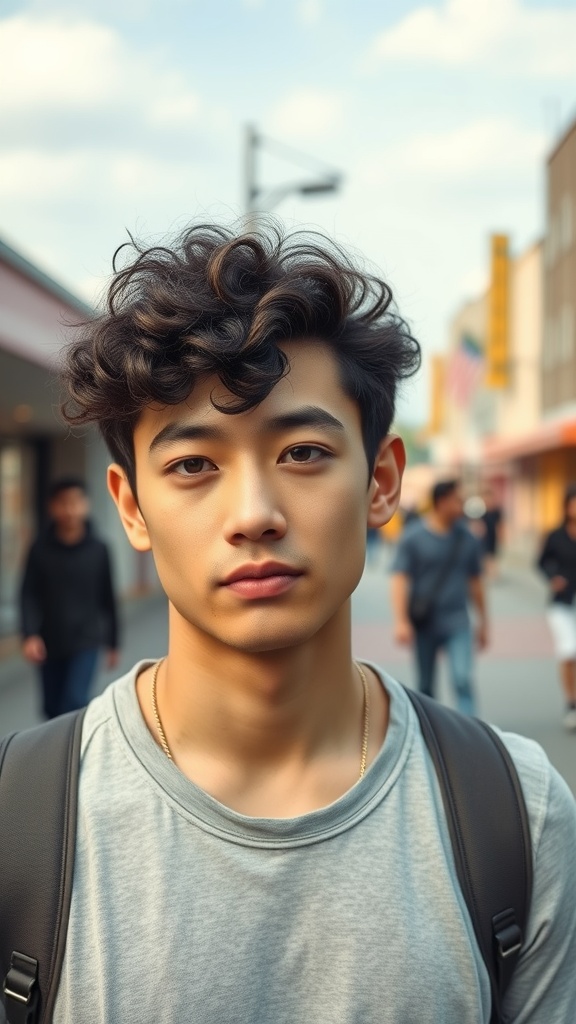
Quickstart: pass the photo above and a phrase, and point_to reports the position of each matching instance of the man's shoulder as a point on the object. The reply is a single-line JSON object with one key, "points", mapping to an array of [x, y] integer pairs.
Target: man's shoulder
{"points": [[113, 714], [557, 534], [39, 545], [462, 529], [414, 533], [96, 542], [546, 794], [422, 535], [467, 544], [118, 697]]}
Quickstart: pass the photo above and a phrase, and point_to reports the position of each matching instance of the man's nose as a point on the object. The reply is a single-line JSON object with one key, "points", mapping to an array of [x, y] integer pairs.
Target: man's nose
{"points": [[254, 511]]}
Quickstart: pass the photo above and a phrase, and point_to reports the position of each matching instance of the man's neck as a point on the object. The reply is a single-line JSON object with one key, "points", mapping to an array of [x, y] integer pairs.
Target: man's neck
{"points": [[571, 530], [438, 524], [271, 735]]}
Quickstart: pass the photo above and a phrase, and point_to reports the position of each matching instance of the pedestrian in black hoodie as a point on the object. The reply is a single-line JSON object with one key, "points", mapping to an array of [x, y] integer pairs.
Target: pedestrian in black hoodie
{"points": [[558, 563], [68, 608]]}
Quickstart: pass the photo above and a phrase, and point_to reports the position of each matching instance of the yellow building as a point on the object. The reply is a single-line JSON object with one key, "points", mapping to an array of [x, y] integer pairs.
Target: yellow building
{"points": [[493, 433], [516, 428]]}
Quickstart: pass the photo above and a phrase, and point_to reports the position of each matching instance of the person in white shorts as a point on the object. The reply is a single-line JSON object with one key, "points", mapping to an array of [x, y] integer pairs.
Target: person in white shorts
{"points": [[558, 563]]}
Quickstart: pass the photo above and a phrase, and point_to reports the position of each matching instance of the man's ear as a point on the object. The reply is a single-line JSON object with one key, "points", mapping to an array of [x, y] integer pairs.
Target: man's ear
{"points": [[128, 510], [386, 482]]}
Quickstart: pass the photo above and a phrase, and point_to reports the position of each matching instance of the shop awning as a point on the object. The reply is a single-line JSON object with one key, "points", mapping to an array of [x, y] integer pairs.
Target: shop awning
{"points": [[35, 311], [548, 436]]}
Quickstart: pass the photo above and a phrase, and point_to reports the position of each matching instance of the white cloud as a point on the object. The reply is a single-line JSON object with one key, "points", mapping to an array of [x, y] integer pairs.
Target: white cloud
{"points": [[487, 147], [53, 64], [310, 12], [501, 33], [306, 113], [32, 172], [47, 63], [96, 133], [178, 106], [59, 176], [142, 177]]}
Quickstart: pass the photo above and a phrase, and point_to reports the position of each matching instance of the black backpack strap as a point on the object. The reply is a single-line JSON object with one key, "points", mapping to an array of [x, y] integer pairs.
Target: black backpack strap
{"points": [[39, 770], [489, 830]]}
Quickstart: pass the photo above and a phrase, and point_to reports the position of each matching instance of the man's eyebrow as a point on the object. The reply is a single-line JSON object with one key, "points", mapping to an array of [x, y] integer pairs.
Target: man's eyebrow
{"points": [[307, 416], [174, 432]]}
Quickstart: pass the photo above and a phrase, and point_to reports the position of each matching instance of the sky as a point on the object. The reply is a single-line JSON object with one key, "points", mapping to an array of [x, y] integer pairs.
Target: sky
{"points": [[122, 116]]}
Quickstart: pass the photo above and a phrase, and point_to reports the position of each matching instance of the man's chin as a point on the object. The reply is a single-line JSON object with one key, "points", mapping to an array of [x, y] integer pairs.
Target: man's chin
{"points": [[264, 634], [266, 643]]}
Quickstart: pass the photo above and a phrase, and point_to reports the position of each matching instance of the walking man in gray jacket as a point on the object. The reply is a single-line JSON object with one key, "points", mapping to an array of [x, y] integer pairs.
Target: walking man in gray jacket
{"points": [[437, 573]]}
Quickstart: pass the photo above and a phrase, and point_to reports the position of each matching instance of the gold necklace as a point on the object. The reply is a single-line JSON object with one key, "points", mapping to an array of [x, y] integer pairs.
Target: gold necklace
{"points": [[365, 727], [161, 733]]}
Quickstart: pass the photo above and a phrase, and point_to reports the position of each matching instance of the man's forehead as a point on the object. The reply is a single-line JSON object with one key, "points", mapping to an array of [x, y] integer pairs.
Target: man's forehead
{"points": [[311, 383], [67, 493]]}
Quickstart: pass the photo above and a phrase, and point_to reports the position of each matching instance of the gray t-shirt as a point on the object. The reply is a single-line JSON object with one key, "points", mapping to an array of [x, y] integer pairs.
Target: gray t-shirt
{"points": [[184, 910], [420, 553]]}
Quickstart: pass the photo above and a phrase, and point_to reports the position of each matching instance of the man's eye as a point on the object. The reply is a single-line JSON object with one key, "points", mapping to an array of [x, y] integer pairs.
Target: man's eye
{"points": [[303, 453], [193, 467]]}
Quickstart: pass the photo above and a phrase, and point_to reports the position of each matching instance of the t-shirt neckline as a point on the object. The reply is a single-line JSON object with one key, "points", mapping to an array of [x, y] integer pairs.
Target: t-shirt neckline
{"points": [[187, 799]]}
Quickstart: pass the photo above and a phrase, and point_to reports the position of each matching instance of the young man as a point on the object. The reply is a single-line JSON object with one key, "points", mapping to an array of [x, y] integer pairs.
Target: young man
{"points": [[68, 608], [438, 563], [558, 563], [493, 525], [260, 834]]}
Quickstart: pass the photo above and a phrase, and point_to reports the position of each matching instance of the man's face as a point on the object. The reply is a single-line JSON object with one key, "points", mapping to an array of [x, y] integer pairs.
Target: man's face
{"points": [[571, 511], [257, 521], [453, 506], [69, 508]]}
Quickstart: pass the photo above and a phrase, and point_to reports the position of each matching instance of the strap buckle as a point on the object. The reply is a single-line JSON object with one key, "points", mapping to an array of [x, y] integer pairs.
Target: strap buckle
{"points": [[507, 934], [20, 983]]}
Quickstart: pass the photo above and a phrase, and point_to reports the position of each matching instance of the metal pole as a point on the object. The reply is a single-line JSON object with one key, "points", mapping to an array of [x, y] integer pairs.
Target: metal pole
{"points": [[254, 200], [250, 186]]}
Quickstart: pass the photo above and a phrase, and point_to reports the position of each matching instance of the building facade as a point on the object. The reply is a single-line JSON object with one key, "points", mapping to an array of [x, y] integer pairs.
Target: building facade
{"points": [[517, 431], [488, 432], [559, 352], [36, 446], [540, 452]]}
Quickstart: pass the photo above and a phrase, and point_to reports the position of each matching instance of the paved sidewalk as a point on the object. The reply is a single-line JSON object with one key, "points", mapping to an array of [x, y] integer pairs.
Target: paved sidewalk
{"points": [[516, 677], [145, 635]]}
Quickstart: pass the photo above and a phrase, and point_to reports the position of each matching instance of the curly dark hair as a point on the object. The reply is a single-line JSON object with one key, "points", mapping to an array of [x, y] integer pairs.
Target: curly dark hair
{"points": [[219, 303]]}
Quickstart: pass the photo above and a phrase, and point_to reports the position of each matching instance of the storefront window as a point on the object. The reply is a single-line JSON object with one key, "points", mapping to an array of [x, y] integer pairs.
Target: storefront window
{"points": [[16, 526]]}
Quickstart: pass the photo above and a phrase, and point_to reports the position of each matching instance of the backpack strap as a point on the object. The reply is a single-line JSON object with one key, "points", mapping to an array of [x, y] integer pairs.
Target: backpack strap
{"points": [[489, 830], [39, 770]]}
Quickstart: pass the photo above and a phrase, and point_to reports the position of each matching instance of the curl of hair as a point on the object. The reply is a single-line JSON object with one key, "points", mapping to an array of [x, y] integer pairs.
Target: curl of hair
{"points": [[216, 303]]}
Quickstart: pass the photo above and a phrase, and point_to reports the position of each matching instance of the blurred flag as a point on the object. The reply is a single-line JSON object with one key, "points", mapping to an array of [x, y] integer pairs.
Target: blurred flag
{"points": [[465, 370]]}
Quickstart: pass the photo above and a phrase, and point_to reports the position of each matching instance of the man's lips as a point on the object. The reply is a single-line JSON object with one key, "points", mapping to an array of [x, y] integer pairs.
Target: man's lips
{"points": [[260, 572], [269, 579]]}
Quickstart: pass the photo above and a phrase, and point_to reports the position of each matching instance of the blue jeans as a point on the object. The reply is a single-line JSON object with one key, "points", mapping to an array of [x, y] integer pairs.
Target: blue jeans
{"points": [[459, 650], [66, 682]]}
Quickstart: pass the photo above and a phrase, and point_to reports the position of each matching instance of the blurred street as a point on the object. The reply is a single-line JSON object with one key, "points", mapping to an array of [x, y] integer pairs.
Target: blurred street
{"points": [[516, 678]]}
